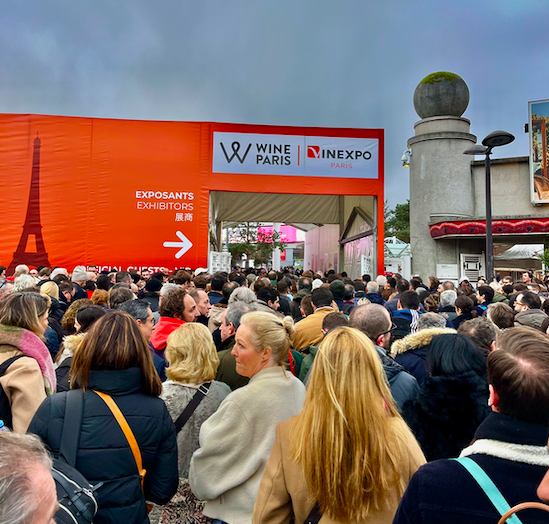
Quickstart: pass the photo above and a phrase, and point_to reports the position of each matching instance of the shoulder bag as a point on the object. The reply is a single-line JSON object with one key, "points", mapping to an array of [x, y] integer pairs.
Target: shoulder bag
{"points": [[185, 508], [507, 513], [128, 433], [75, 495]]}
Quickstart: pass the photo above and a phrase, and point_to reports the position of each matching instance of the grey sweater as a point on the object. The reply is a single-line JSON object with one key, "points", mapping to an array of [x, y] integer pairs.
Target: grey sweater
{"points": [[176, 396]]}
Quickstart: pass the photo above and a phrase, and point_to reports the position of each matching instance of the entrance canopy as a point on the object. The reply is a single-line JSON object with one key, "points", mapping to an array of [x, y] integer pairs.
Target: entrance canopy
{"points": [[227, 206]]}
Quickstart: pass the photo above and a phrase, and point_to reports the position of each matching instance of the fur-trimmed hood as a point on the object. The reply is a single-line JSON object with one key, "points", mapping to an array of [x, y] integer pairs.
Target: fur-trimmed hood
{"points": [[418, 340], [70, 345]]}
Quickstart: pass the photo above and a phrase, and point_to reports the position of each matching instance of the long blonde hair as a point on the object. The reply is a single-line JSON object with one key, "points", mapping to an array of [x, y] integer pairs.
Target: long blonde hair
{"points": [[345, 439]]}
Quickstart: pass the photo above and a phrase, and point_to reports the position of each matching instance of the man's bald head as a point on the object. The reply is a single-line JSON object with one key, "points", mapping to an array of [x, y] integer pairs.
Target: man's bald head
{"points": [[372, 319]]}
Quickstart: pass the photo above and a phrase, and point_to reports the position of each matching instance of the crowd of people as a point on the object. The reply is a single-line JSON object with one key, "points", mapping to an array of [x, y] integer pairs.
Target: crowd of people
{"points": [[274, 396]]}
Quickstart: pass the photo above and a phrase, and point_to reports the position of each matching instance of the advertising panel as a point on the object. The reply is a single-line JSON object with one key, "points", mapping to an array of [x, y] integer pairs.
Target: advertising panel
{"points": [[295, 155], [538, 118], [126, 194], [113, 193]]}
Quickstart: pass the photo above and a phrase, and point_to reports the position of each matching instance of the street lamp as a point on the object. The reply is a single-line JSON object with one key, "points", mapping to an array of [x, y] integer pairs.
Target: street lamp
{"points": [[494, 139]]}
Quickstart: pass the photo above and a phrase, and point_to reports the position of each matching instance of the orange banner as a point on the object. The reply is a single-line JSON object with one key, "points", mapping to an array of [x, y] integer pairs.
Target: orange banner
{"points": [[129, 194]]}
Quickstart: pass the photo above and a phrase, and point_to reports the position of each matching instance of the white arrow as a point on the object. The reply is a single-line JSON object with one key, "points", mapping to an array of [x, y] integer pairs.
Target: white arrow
{"points": [[185, 244]]}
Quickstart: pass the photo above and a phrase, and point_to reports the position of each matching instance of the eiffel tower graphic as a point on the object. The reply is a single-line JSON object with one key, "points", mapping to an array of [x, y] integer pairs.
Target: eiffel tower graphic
{"points": [[32, 229]]}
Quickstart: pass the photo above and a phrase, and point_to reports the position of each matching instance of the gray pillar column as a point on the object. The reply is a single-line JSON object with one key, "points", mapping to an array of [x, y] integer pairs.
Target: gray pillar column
{"points": [[440, 183]]}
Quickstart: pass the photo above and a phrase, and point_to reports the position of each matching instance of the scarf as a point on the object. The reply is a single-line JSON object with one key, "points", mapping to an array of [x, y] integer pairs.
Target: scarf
{"points": [[31, 346]]}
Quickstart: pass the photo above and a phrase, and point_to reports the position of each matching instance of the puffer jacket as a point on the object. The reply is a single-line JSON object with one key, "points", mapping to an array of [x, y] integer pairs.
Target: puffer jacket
{"points": [[531, 317], [104, 454], [500, 297], [447, 412], [410, 351]]}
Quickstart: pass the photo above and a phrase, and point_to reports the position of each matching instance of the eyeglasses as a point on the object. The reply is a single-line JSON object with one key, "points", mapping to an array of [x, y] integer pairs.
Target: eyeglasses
{"points": [[390, 330]]}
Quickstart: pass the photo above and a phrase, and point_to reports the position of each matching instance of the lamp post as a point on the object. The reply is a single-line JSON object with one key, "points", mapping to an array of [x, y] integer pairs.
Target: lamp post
{"points": [[494, 139]]}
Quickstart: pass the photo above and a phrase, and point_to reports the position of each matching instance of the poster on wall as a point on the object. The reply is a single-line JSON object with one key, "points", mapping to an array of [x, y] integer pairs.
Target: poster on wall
{"points": [[538, 118]]}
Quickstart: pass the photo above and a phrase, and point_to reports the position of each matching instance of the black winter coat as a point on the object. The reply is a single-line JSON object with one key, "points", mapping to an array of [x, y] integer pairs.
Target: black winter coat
{"points": [[62, 375], [456, 322], [152, 299], [446, 413], [445, 492], [104, 453], [57, 310]]}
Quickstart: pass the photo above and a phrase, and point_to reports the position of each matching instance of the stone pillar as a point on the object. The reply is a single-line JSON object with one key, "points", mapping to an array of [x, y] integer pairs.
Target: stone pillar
{"points": [[440, 174], [276, 251], [289, 256]]}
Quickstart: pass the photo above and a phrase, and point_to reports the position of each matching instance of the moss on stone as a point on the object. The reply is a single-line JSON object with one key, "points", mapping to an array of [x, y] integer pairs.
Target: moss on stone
{"points": [[439, 77]]}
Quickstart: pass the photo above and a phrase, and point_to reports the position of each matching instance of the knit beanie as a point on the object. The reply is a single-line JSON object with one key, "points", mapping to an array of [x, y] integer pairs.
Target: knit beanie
{"points": [[337, 287], [79, 274], [153, 285]]}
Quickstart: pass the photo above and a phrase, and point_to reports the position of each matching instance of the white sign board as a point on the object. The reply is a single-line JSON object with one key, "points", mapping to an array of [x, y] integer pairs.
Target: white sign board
{"points": [[366, 266], [219, 262], [448, 271], [295, 155]]}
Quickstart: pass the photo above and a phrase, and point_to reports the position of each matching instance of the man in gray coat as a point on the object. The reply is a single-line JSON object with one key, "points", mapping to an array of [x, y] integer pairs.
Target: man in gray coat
{"points": [[374, 321]]}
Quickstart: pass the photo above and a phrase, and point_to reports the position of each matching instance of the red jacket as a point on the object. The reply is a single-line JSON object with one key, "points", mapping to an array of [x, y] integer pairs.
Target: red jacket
{"points": [[159, 337]]}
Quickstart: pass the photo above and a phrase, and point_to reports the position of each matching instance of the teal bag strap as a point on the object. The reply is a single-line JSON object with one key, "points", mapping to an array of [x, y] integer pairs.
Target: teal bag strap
{"points": [[492, 492]]}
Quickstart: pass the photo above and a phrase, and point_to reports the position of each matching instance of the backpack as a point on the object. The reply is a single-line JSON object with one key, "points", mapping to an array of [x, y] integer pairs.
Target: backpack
{"points": [[75, 495], [5, 408]]}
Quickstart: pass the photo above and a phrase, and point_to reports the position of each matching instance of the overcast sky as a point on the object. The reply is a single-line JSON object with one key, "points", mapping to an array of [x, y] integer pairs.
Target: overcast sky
{"points": [[286, 62]]}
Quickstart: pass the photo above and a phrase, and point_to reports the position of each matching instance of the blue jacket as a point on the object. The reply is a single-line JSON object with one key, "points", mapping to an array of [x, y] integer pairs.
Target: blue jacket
{"points": [[443, 491], [481, 309], [215, 297], [104, 453], [392, 305], [375, 298]]}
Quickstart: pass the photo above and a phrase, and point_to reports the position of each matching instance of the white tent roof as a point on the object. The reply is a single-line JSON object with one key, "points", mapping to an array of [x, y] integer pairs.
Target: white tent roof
{"points": [[521, 252]]}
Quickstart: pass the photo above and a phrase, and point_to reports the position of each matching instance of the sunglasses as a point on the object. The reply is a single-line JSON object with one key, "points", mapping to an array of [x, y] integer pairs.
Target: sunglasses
{"points": [[390, 330]]}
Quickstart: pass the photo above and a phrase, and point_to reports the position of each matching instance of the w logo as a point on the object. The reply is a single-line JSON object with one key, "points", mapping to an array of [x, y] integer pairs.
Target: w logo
{"points": [[235, 146], [313, 151]]}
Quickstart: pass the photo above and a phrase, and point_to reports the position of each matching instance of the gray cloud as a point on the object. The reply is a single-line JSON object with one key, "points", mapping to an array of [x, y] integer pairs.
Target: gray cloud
{"points": [[305, 63]]}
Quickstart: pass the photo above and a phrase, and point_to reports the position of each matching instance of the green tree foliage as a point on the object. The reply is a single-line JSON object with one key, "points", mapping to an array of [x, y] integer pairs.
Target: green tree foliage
{"points": [[397, 221], [256, 245], [544, 258]]}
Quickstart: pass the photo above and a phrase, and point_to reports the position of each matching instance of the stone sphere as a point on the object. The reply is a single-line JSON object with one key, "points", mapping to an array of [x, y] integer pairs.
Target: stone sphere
{"points": [[441, 94]]}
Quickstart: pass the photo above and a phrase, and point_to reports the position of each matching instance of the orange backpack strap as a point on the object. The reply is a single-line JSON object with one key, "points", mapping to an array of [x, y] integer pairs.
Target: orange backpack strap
{"points": [[127, 432]]}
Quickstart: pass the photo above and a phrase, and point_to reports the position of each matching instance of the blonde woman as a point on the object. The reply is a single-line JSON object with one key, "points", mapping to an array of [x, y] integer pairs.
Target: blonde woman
{"points": [[235, 442], [348, 450], [193, 361]]}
